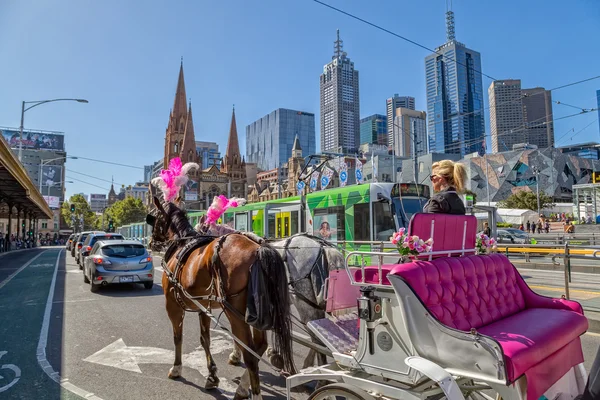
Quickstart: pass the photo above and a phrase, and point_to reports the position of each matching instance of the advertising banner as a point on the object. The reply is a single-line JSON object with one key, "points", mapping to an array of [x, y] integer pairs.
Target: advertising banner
{"points": [[326, 226], [326, 177], [191, 190], [51, 179], [34, 140], [53, 201]]}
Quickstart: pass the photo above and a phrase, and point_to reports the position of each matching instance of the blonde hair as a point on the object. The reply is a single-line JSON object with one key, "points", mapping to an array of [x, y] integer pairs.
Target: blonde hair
{"points": [[454, 173]]}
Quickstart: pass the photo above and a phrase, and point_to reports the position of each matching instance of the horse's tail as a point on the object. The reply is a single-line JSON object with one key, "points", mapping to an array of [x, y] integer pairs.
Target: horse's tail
{"points": [[277, 294]]}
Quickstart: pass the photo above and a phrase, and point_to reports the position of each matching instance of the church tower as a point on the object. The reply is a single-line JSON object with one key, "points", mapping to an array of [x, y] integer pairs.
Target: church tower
{"points": [[295, 165], [233, 164]]}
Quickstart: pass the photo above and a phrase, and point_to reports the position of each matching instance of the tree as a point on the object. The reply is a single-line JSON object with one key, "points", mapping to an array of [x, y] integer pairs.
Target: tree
{"points": [[126, 211], [526, 201], [82, 209]]}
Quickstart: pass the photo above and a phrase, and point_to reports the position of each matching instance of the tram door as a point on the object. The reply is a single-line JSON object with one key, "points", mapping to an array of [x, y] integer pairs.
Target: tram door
{"points": [[283, 224]]}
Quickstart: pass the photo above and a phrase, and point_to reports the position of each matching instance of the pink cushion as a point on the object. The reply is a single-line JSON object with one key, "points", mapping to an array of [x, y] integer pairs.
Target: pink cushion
{"points": [[448, 230], [465, 292], [532, 335], [372, 274]]}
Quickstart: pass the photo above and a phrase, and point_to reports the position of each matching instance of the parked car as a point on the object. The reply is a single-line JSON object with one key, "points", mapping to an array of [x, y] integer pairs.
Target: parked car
{"points": [[118, 261], [90, 241], [70, 241], [75, 239], [79, 243], [507, 236]]}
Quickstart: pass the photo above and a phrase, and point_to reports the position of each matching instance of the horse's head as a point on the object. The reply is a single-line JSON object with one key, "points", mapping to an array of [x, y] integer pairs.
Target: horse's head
{"points": [[168, 222]]}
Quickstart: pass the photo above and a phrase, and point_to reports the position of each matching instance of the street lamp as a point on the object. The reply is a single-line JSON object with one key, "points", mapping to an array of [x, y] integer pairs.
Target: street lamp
{"points": [[35, 104], [536, 172]]}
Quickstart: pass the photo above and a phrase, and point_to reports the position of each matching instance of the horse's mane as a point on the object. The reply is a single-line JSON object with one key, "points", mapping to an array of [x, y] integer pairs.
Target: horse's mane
{"points": [[179, 220]]}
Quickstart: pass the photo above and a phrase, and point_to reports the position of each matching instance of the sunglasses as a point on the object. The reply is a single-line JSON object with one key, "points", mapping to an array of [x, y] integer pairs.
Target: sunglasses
{"points": [[432, 176]]}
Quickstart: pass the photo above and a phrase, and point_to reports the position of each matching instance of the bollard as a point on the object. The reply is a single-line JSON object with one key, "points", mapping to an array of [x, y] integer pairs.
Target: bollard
{"points": [[567, 263]]}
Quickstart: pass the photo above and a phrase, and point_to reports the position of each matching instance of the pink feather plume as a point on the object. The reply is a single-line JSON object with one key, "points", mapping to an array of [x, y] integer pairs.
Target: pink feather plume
{"points": [[219, 205], [173, 178]]}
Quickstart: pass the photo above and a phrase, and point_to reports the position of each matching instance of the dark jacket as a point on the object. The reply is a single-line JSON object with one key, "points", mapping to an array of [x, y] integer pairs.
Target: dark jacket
{"points": [[445, 202]]}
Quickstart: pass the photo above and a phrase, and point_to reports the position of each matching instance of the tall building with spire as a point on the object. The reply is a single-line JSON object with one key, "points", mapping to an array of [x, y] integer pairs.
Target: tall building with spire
{"points": [[340, 105], [234, 165], [455, 120], [112, 195]]}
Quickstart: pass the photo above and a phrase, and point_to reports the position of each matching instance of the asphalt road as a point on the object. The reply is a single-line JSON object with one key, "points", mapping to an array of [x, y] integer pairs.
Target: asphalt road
{"points": [[59, 340]]}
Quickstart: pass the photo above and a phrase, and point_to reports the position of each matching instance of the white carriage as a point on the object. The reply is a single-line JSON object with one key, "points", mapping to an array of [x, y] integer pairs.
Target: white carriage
{"points": [[450, 324]]}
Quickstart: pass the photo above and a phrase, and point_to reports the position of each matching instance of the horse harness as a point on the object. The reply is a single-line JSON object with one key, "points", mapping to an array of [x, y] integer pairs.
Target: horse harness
{"points": [[320, 257], [193, 243]]}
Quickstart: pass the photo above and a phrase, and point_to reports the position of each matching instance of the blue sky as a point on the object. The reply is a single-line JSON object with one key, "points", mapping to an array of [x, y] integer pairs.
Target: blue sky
{"points": [[123, 56]]}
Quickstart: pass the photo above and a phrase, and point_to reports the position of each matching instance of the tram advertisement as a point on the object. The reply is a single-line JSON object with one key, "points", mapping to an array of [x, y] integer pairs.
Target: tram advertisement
{"points": [[326, 226]]}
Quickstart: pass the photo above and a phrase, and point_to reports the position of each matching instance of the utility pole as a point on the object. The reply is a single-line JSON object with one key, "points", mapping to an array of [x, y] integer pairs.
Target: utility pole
{"points": [[416, 167], [536, 172]]}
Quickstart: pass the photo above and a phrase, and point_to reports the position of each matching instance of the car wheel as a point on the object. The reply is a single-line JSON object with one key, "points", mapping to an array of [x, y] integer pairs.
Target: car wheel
{"points": [[94, 288], [148, 285]]}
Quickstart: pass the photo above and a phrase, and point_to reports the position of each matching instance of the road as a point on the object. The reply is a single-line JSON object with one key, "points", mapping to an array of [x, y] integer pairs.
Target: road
{"points": [[111, 345]]}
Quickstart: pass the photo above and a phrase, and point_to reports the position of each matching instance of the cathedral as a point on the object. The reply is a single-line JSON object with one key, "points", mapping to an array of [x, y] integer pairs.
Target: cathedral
{"points": [[229, 179]]}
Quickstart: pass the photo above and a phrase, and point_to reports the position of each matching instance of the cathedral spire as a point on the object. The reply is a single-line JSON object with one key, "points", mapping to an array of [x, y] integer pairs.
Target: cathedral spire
{"points": [[188, 148], [179, 107], [233, 146]]}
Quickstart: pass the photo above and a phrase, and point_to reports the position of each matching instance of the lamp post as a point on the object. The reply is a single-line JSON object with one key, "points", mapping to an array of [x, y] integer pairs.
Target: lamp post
{"points": [[35, 104], [536, 172]]}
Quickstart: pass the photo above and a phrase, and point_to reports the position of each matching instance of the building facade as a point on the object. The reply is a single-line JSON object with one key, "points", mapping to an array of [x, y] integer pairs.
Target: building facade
{"points": [[410, 129], [269, 140], [506, 114], [537, 116], [455, 110], [98, 201], [391, 105], [209, 153], [148, 172], [590, 150], [340, 105], [373, 130]]}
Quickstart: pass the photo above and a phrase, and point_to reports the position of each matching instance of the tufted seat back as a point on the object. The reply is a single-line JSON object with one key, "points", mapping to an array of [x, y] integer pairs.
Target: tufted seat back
{"points": [[449, 232], [465, 292]]}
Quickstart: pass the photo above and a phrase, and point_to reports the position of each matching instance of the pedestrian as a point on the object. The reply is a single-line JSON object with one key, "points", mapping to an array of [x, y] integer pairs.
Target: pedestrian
{"points": [[533, 228], [448, 179], [486, 229], [539, 227], [521, 228], [547, 226], [528, 226]]}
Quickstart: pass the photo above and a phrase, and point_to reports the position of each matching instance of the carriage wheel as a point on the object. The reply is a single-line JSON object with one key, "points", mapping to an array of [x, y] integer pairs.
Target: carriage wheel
{"points": [[340, 391]]}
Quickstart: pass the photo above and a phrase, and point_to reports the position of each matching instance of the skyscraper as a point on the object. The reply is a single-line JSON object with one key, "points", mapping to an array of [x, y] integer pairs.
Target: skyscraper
{"points": [[391, 105], [373, 130], [209, 153], [506, 114], [340, 109], [537, 114], [598, 102], [269, 140], [454, 96], [409, 128]]}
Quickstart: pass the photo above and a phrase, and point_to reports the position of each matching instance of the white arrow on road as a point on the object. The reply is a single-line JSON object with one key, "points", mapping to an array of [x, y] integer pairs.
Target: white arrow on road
{"points": [[128, 358]]}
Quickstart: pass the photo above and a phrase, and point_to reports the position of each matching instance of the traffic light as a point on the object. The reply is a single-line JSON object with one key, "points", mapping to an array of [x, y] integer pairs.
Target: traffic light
{"points": [[72, 207], [110, 225], [23, 224]]}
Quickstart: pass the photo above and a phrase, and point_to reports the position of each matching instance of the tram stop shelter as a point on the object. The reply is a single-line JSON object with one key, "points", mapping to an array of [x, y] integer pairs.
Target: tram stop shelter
{"points": [[20, 199], [586, 201]]}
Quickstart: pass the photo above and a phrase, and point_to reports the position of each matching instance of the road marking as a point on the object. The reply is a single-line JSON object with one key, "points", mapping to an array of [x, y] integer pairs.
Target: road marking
{"points": [[555, 289], [4, 282], [43, 342], [592, 334], [119, 355], [16, 370]]}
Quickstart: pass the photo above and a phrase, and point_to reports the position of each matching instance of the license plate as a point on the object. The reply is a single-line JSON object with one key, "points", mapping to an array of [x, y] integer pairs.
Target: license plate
{"points": [[124, 279]]}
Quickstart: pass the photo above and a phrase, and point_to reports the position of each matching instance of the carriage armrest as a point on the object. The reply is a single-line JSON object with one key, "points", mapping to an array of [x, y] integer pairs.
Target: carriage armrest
{"points": [[534, 300]]}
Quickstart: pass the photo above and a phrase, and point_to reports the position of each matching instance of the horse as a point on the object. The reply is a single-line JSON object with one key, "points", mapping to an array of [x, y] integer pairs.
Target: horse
{"points": [[217, 274], [308, 260]]}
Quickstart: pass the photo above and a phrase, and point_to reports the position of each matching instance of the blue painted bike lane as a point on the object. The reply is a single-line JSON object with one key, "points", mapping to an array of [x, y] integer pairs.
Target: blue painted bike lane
{"points": [[25, 316]]}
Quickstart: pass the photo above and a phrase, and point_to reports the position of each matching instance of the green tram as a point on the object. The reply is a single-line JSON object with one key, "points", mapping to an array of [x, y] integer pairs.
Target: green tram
{"points": [[357, 217]]}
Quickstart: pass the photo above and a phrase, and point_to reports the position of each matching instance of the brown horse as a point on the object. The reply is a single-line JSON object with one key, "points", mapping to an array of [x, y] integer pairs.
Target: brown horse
{"points": [[221, 268]]}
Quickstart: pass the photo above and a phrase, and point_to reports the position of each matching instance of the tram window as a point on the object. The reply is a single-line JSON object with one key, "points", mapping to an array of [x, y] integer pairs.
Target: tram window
{"points": [[362, 228], [271, 226], [383, 221], [329, 223], [295, 223]]}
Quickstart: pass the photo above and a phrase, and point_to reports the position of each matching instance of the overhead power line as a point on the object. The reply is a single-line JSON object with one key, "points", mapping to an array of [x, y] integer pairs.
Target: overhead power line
{"points": [[95, 177], [108, 162], [87, 183]]}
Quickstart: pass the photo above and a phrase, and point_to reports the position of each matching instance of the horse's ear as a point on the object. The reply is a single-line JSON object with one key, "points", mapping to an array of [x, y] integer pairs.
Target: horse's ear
{"points": [[157, 204], [178, 201]]}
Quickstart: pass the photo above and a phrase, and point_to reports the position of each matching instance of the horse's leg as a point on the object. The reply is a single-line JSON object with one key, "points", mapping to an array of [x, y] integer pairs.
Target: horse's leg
{"points": [[250, 377], [212, 381], [176, 315], [235, 358]]}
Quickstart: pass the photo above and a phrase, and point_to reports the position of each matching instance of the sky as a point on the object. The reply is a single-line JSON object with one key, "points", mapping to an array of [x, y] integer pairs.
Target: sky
{"points": [[124, 56]]}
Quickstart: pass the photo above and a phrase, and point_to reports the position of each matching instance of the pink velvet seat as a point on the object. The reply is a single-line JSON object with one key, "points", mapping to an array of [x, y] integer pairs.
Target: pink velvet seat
{"points": [[372, 274], [539, 336]]}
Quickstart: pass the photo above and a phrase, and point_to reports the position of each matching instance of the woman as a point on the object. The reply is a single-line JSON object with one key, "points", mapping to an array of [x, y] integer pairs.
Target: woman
{"points": [[448, 179], [325, 230]]}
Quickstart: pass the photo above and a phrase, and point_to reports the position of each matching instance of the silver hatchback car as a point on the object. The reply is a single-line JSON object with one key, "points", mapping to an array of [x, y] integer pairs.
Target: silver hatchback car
{"points": [[118, 261]]}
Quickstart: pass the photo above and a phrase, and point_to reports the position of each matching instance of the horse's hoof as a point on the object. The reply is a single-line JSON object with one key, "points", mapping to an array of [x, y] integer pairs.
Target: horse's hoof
{"points": [[175, 372], [241, 394], [212, 382], [276, 360], [234, 360]]}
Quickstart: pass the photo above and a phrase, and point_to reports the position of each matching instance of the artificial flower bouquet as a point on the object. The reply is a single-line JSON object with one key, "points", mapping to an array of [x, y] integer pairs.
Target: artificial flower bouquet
{"points": [[485, 244], [410, 245]]}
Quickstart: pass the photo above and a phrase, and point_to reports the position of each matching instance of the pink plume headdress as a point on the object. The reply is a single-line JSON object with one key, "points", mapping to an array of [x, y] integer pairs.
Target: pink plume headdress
{"points": [[172, 179], [218, 207]]}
